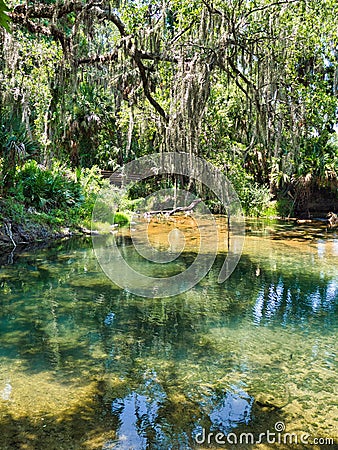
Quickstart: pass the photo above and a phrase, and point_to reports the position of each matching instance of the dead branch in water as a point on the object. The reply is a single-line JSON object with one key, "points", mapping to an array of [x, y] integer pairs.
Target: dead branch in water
{"points": [[170, 212], [8, 229]]}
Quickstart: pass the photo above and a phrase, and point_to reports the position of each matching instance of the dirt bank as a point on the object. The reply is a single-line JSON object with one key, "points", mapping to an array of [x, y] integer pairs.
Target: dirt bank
{"points": [[15, 235]]}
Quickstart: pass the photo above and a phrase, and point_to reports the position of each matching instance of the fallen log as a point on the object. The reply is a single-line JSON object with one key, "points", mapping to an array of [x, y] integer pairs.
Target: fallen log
{"points": [[170, 212]]}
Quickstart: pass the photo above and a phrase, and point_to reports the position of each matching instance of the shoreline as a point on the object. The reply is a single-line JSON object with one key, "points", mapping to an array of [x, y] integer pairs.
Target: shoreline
{"points": [[19, 236]]}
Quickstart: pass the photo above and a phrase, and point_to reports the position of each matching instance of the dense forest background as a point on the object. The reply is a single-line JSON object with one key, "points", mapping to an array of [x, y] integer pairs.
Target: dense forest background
{"points": [[249, 85]]}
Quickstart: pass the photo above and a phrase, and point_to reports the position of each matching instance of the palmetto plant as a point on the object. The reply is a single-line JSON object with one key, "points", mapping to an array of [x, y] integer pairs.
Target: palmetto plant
{"points": [[16, 145], [316, 168], [46, 189], [4, 18]]}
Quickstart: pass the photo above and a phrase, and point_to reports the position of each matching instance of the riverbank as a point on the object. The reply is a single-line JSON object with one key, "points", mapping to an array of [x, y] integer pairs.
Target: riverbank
{"points": [[29, 232], [14, 234], [44, 204]]}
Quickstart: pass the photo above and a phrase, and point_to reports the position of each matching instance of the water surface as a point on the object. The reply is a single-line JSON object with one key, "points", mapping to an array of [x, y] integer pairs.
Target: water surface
{"points": [[87, 365]]}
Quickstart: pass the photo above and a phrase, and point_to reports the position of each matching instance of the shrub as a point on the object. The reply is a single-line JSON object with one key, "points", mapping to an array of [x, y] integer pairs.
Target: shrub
{"points": [[46, 189], [255, 199], [121, 218], [55, 196]]}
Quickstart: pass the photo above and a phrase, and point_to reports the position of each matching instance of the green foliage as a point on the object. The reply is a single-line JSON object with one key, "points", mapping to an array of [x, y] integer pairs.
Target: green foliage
{"points": [[13, 131], [4, 18], [285, 207], [255, 199], [12, 208], [90, 134], [264, 72], [131, 205], [16, 145], [28, 82], [121, 218], [55, 196], [46, 189]]}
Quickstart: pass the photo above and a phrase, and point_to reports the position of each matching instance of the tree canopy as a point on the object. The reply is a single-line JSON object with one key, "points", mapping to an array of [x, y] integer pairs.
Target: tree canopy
{"points": [[250, 85]]}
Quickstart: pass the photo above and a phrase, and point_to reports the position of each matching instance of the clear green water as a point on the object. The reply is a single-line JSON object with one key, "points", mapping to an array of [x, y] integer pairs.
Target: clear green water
{"points": [[86, 365]]}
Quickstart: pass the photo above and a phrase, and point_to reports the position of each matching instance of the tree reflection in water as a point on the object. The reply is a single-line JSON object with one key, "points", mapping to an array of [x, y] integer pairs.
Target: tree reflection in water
{"points": [[162, 369]]}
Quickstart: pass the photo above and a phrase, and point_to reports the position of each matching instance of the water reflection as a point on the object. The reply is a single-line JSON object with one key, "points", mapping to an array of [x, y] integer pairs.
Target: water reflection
{"points": [[232, 410], [169, 367], [142, 424], [136, 414], [138, 418], [294, 301]]}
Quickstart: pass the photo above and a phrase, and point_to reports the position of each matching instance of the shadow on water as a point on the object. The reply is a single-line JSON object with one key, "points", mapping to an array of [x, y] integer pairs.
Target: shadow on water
{"points": [[51, 315], [136, 373], [79, 427], [290, 230], [148, 419], [140, 423]]}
